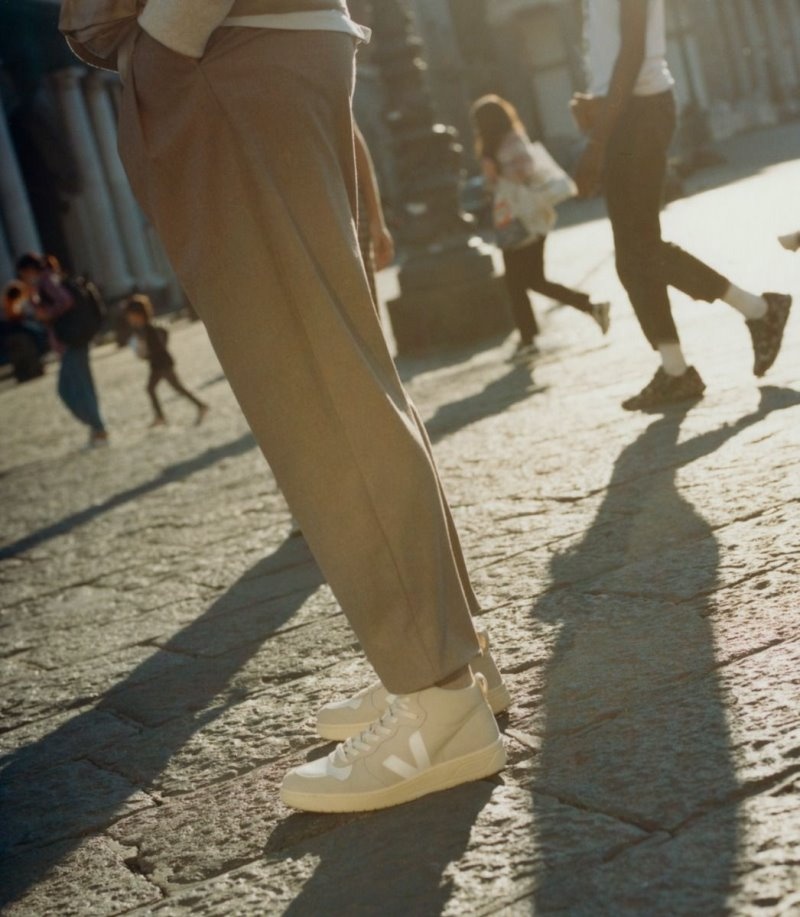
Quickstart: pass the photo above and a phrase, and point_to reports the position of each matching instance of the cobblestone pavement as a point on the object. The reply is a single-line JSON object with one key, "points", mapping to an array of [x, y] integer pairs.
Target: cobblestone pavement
{"points": [[165, 644]]}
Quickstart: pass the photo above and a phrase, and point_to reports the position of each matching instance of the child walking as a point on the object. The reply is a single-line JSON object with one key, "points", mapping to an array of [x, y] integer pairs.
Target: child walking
{"points": [[152, 346], [506, 153]]}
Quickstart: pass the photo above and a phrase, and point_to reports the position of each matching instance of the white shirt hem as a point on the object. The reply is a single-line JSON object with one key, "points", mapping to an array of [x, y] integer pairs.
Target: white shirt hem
{"points": [[320, 20]]}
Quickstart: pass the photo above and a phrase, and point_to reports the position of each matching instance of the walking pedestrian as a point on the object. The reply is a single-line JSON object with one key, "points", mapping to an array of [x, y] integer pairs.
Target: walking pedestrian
{"points": [[151, 341], [506, 153], [59, 307], [629, 116], [236, 131]]}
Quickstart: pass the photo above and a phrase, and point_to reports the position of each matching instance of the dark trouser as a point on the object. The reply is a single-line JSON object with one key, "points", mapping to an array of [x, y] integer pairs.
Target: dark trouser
{"points": [[636, 166], [24, 355], [525, 271], [169, 375], [76, 387]]}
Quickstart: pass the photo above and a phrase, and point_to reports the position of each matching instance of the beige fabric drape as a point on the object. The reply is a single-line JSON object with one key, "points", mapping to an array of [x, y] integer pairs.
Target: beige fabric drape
{"points": [[244, 162]]}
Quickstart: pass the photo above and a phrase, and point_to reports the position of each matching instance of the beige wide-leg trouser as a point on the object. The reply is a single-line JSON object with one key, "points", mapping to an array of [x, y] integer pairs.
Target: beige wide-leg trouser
{"points": [[244, 163]]}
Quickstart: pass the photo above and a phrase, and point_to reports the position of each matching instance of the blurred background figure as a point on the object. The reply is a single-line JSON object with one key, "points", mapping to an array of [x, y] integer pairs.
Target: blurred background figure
{"points": [[71, 313], [527, 185], [151, 341], [23, 338]]}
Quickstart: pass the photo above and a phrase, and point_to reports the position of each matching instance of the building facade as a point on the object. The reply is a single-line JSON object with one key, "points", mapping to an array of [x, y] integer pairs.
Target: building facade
{"points": [[63, 189], [736, 62]]}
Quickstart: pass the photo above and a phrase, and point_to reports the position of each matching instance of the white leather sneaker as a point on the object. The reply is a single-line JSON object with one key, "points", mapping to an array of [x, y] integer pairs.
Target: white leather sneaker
{"points": [[339, 720], [424, 742]]}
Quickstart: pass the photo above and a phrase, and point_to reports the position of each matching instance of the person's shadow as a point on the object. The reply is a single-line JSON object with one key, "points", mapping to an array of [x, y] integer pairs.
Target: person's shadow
{"points": [[634, 726], [514, 387], [85, 774], [391, 863]]}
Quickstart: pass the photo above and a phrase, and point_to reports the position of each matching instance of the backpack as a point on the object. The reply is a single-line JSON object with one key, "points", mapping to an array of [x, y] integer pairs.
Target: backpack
{"points": [[78, 325]]}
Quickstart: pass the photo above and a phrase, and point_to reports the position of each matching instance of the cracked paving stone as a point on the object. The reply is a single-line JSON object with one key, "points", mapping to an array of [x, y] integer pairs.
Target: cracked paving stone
{"points": [[92, 879], [730, 861], [165, 646], [480, 844], [695, 746], [65, 737], [65, 801], [223, 742]]}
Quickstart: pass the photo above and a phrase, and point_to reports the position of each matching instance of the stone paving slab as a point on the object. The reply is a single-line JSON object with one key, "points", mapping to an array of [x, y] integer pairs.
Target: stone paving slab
{"points": [[92, 880], [164, 645]]}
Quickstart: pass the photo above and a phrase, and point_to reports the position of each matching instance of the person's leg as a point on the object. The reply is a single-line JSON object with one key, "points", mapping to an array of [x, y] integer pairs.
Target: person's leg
{"points": [[68, 385], [634, 179], [516, 286], [88, 393], [175, 383], [692, 276], [635, 172], [452, 531], [76, 388], [152, 391], [538, 282], [300, 342]]}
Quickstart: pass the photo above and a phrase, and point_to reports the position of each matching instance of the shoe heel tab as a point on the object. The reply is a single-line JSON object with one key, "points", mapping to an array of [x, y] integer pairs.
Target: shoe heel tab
{"points": [[480, 681]]}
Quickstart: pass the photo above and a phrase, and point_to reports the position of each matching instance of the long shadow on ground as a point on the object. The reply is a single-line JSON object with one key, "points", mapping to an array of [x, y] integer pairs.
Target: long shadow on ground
{"points": [[51, 789], [52, 792], [497, 396], [633, 719], [177, 472]]}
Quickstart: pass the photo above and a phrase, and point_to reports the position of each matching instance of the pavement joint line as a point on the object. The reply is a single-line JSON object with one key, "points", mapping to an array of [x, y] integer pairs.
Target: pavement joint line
{"points": [[656, 837], [134, 865], [746, 790], [574, 802], [759, 715]]}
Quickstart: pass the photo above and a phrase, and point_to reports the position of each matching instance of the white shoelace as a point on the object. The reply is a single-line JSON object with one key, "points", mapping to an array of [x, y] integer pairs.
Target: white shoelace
{"points": [[348, 751]]}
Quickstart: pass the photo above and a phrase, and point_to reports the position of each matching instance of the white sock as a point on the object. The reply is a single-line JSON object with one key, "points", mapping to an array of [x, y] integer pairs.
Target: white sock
{"points": [[750, 305], [672, 359]]}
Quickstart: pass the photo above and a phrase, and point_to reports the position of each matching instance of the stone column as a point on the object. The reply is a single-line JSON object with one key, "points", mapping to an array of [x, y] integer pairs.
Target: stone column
{"points": [[729, 22], [780, 54], [6, 261], [17, 215], [107, 254], [792, 8], [695, 132], [754, 39], [129, 219]]}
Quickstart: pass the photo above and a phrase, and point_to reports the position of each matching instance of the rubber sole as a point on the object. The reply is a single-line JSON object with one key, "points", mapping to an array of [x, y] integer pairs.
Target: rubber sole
{"points": [[479, 764], [498, 698]]}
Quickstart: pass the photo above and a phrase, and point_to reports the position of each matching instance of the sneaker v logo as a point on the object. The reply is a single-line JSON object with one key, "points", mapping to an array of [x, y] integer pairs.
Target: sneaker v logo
{"points": [[418, 751]]}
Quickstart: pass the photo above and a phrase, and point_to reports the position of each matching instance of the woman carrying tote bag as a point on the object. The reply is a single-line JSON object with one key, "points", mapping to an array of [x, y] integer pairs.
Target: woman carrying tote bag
{"points": [[527, 185]]}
